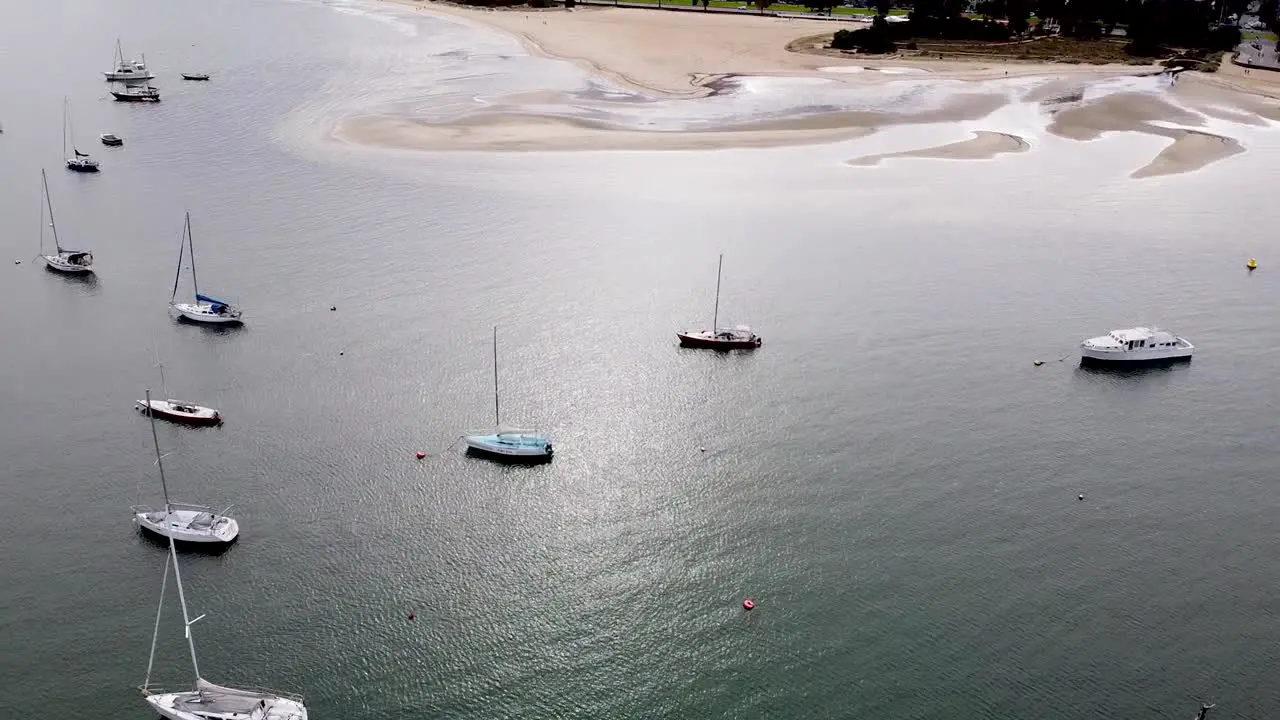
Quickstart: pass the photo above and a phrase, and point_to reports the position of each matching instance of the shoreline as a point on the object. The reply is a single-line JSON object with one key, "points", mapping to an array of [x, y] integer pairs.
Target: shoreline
{"points": [[691, 56], [763, 46]]}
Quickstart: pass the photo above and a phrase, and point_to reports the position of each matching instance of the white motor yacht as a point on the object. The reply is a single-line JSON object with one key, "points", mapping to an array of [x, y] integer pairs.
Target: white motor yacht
{"points": [[127, 70], [1135, 346]]}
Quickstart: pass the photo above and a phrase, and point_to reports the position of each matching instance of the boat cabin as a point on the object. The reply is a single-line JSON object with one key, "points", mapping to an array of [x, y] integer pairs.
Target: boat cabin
{"points": [[1143, 339]]}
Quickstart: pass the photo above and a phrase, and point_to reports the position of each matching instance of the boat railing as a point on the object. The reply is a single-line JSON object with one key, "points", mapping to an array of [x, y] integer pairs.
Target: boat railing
{"points": [[295, 697], [189, 506]]}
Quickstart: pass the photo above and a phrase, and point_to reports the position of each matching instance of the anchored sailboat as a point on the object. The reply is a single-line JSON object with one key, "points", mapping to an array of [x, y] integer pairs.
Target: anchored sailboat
{"points": [[506, 444], [208, 701], [205, 309], [718, 338], [63, 260], [80, 161], [178, 410], [183, 522]]}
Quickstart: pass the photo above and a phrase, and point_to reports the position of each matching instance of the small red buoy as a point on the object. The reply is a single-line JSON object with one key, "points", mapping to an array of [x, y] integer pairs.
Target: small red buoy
{"points": [[748, 605], [421, 455], [412, 616]]}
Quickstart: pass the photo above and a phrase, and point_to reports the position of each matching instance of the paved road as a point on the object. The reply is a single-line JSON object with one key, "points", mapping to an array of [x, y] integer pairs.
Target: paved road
{"points": [[1259, 53]]}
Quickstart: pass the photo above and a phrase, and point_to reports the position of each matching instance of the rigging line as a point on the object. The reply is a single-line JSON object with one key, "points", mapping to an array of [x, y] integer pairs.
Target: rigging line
{"points": [[156, 633], [451, 446]]}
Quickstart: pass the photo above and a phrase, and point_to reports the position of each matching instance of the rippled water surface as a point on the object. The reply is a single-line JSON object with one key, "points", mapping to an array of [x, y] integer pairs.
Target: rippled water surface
{"points": [[889, 477]]}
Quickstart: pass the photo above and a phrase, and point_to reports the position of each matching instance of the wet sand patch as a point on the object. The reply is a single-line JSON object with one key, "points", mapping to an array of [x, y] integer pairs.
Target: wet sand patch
{"points": [[983, 146]]}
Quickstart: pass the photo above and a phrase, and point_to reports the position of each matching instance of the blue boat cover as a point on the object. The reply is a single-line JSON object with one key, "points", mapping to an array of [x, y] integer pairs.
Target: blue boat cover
{"points": [[217, 304]]}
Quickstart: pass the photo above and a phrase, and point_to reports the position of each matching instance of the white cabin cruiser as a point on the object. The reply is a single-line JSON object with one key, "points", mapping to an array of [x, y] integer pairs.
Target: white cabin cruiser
{"points": [[127, 70], [135, 71], [1135, 346]]}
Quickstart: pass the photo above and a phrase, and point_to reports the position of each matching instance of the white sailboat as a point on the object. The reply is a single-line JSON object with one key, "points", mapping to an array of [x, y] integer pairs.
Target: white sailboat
{"points": [[79, 161], [63, 260], [194, 524], [178, 410], [208, 701], [507, 444], [204, 309]]}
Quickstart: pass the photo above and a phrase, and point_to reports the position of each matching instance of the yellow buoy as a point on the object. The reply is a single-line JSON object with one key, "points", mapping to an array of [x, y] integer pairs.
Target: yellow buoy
{"points": [[1252, 264], [1038, 363]]}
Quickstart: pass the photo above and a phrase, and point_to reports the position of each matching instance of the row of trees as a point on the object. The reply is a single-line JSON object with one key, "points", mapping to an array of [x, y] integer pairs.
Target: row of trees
{"points": [[1152, 25]]}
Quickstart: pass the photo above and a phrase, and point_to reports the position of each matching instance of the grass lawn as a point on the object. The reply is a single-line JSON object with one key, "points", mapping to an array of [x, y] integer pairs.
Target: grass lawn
{"points": [[1052, 49], [868, 12]]}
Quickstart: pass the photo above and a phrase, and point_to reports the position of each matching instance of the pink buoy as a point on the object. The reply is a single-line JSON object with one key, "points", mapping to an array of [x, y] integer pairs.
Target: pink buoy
{"points": [[421, 455], [748, 605]]}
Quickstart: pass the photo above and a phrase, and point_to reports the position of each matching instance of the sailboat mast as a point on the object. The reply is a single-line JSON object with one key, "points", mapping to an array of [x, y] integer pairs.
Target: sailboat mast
{"points": [[159, 458], [173, 550], [191, 246], [52, 223], [186, 617], [177, 276], [45, 183], [146, 683], [715, 315], [68, 130], [496, 421]]}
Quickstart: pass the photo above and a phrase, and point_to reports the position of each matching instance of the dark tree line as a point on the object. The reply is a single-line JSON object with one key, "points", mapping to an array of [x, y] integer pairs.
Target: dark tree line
{"points": [[1153, 26]]}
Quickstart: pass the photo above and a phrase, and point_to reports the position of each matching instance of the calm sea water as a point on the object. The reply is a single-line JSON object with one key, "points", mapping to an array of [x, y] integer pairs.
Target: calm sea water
{"points": [[889, 477]]}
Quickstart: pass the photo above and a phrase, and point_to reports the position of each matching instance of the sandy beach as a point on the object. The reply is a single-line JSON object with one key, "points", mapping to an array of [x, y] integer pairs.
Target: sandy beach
{"points": [[687, 56], [983, 146]]}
